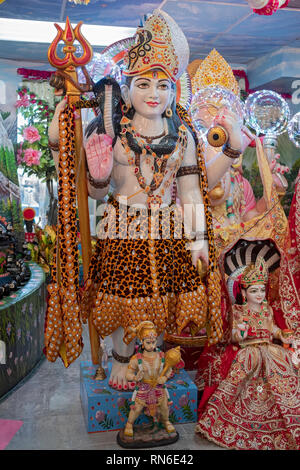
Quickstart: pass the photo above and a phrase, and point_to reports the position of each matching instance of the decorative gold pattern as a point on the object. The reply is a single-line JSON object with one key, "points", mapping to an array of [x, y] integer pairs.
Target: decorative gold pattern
{"points": [[289, 279], [255, 274], [214, 71], [271, 224], [153, 49]]}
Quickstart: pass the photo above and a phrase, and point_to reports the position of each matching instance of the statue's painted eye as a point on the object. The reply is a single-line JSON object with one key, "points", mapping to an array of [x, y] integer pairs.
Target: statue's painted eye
{"points": [[164, 86], [143, 85]]}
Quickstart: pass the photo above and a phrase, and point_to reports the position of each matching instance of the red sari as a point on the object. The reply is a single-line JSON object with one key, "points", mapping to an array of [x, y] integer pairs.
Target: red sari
{"points": [[256, 404], [251, 395]]}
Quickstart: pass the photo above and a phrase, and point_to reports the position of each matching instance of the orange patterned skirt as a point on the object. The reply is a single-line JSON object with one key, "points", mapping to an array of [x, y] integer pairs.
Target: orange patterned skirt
{"points": [[142, 270]]}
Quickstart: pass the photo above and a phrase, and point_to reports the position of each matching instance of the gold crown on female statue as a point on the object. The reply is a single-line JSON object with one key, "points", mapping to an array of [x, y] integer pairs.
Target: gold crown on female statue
{"points": [[215, 71], [159, 44], [255, 274]]}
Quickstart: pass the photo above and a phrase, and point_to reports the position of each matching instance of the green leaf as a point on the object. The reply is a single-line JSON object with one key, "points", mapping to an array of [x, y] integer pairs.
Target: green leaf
{"points": [[187, 412], [172, 417], [44, 141], [5, 114]]}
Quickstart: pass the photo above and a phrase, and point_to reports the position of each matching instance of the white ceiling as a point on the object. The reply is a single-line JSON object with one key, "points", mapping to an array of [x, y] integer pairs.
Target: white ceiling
{"points": [[240, 35]]}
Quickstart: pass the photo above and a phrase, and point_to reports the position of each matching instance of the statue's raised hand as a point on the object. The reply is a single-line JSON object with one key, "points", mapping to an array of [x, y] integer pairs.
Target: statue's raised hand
{"points": [[231, 124], [278, 172], [99, 155]]}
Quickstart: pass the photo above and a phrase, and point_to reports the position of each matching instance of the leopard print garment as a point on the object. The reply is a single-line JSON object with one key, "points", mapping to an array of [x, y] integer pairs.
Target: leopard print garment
{"points": [[143, 274], [63, 327]]}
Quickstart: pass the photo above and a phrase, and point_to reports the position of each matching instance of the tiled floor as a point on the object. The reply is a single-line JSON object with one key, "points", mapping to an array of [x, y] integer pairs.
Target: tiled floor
{"points": [[49, 405]]}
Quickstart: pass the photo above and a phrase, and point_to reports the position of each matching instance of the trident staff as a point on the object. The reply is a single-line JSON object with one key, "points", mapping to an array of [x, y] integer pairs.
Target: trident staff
{"points": [[63, 300]]}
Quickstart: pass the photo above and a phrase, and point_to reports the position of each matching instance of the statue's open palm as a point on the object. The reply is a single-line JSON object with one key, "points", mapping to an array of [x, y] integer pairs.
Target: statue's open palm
{"points": [[99, 155]]}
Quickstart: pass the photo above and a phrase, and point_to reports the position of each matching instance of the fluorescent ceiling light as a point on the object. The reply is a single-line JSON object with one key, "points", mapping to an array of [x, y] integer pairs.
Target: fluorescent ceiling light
{"points": [[45, 32]]}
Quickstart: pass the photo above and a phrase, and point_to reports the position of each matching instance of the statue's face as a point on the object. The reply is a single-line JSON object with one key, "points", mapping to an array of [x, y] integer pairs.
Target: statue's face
{"points": [[150, 96], [149, 343], [256, 294]]}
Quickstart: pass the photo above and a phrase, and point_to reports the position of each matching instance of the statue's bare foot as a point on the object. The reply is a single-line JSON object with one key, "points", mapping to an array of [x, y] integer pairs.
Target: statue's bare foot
{"points": [[128, 431], [169, 427], [118, 379]]}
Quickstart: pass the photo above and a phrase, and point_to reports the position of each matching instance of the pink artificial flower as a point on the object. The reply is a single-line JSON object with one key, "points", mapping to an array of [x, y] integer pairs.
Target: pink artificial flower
{"points": [[183, 400], [19, 158], [31, 134], [100, 416], [22, 102], [32, 156]]}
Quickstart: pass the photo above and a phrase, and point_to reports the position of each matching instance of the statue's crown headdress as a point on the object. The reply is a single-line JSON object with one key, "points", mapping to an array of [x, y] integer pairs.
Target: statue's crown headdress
{"points": [[160, 44], [214, 71], [255, 274], [146, 329]]}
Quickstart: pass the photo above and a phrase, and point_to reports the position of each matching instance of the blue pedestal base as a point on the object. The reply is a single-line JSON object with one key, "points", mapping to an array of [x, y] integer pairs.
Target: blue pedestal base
{"points": [[106, 409]]}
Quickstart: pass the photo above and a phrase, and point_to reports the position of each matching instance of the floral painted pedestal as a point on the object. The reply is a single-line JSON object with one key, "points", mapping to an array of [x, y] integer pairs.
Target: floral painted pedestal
{"points": [[22, 316], [106, 409]]}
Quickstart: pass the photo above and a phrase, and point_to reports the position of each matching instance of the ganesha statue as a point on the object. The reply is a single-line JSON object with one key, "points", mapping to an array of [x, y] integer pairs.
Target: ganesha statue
{"points": [[236, 211]]}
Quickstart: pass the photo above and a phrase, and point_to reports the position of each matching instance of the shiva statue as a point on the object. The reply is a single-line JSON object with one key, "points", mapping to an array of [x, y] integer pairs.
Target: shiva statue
{"points": [[138, 146]]}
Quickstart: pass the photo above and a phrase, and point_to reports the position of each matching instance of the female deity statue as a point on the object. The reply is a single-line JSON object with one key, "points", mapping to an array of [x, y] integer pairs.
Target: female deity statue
{"points": [[140, 143], [255, 402], [150, 372]]}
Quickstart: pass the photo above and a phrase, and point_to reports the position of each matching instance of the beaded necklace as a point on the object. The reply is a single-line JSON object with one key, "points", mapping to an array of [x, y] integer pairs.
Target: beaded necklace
{"points": [[159, 167], [152, 364], [263, 313]]}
